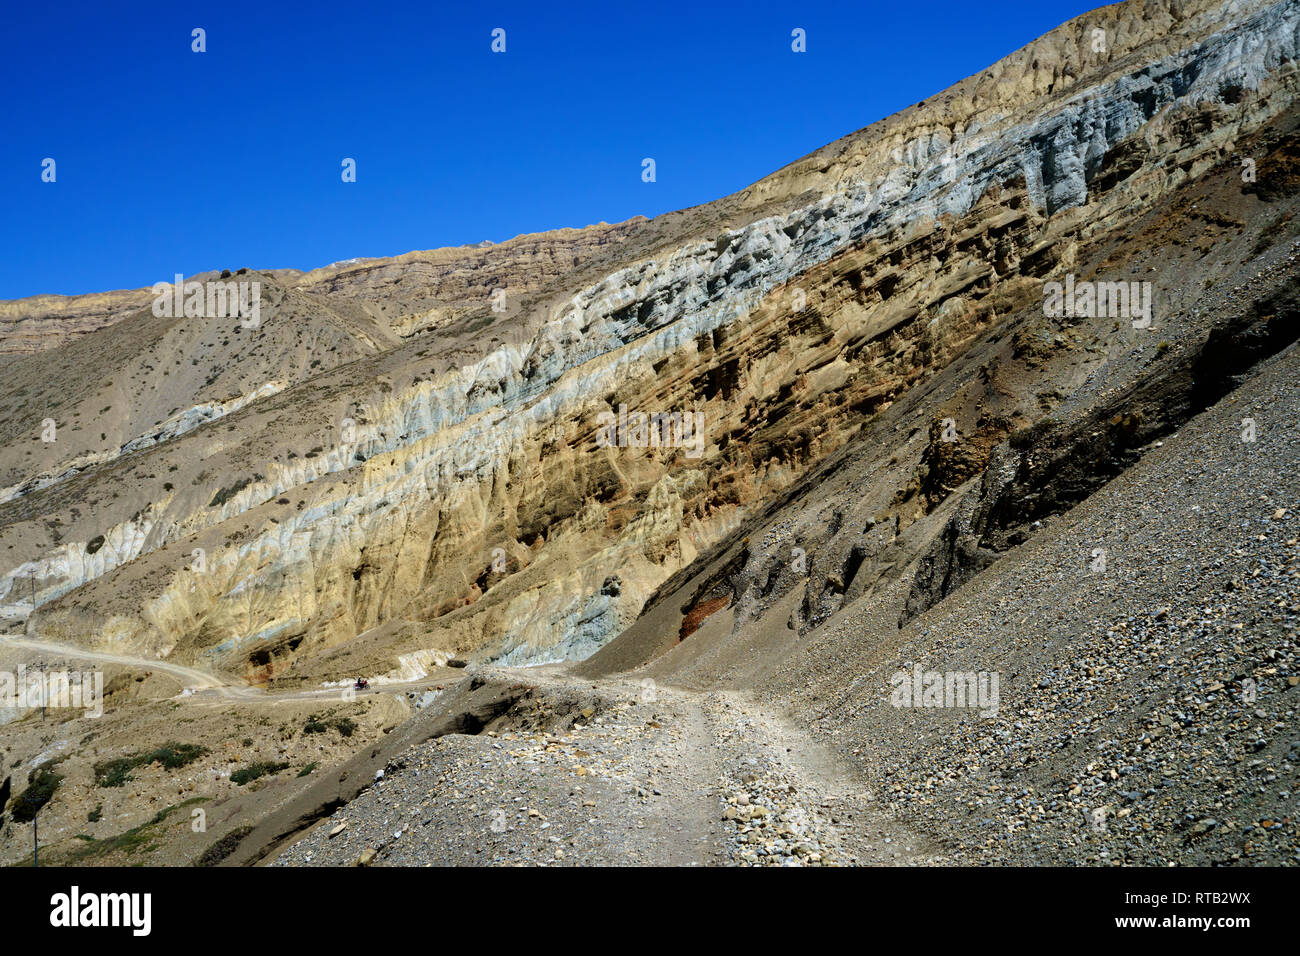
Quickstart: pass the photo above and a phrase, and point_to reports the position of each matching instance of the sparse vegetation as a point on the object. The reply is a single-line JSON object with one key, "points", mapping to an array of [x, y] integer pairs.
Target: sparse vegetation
{"points": [[256, 770], [117, 771], [225, 494], [41, 784], [134, 840], [346, 726], [223, 847]]}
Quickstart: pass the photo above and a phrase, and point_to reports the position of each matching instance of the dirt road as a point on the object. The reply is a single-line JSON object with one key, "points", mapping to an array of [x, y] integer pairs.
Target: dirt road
{"points": [[199, 683], [606, 773]]}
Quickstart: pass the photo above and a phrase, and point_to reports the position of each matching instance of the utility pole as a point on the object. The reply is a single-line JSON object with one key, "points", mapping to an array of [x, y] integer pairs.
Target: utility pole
{"points": [[36, 843]]}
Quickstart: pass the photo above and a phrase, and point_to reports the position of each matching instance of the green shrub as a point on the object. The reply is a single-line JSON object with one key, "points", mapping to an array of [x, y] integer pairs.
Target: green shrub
{"points": [[223, 847], [254, 770], [41, 784], [174, 756], [117, 772], [344, 725], [114, 773], [225, 494]]}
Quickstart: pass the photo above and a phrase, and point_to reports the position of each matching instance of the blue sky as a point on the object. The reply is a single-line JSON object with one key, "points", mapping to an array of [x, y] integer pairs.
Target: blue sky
{"points": [[173, 161]]}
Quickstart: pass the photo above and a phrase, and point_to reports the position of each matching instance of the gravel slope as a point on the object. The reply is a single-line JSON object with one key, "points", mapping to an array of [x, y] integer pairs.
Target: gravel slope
{"points": [[1126, 729]]}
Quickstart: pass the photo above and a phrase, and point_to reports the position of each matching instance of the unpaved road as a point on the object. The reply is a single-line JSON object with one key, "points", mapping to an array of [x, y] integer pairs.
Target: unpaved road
{"points": [[201, 684], [190, 677], [676, 778]]}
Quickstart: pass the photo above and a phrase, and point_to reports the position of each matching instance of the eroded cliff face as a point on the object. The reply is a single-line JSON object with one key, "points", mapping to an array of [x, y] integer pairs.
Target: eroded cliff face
{"points": [[451, 487]]}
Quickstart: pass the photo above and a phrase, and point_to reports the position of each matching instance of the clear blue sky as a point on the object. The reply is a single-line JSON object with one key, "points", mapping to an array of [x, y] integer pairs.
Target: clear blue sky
{"points": [[172, 161]]}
